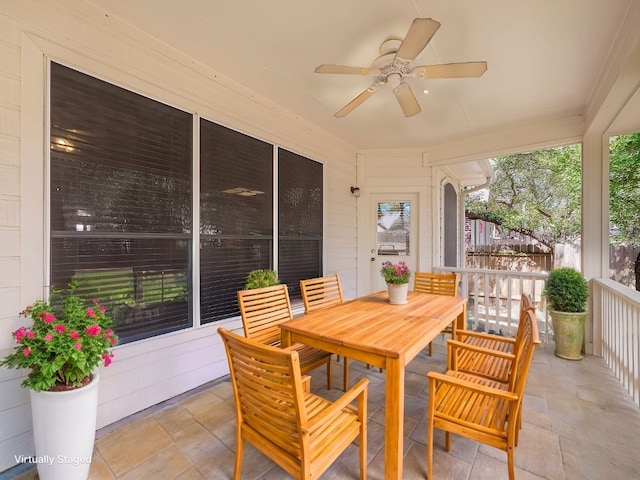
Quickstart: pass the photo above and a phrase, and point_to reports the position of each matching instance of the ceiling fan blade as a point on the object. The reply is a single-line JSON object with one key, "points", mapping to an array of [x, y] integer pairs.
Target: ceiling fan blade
{"points": [[407, 100], [356, 102], [451, 70], [419, 34], [344, 69]]}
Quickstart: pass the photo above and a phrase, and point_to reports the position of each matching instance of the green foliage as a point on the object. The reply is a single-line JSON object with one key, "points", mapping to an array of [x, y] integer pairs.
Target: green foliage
{"points": [[261, 278], [566, 290], [64, 343], [624, 187]]}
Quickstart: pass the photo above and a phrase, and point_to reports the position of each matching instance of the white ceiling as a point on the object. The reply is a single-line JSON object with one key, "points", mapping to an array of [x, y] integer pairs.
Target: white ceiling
{"points": [[545, 58]]}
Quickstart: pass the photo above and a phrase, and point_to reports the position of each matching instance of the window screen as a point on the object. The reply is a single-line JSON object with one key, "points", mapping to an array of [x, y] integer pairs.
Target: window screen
{"points": [[236, 215], [120, 202], [299, 219]]}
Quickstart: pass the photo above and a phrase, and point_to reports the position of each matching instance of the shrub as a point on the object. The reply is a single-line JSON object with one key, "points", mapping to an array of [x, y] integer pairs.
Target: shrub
{"points": [[566, 290], [261, 278]]}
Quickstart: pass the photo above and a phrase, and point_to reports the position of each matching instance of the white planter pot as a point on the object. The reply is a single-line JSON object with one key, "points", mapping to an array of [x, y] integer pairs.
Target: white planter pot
{"points": [[64, 431], [398, 293]]}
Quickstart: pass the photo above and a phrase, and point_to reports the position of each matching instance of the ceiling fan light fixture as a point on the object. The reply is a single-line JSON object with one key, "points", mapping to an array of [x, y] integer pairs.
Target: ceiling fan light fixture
{"points": [[395, 63], [394, 80]]}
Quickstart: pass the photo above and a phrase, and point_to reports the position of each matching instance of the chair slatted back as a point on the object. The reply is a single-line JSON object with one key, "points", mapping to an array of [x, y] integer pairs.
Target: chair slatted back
{"points": [[437, 283], [262, 310], [321, 292], [268, 388], [524, 350]]}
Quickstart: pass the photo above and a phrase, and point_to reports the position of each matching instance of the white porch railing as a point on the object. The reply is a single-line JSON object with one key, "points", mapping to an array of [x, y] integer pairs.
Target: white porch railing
{"points": [[614, 329], [494, 299], [616, 333]]}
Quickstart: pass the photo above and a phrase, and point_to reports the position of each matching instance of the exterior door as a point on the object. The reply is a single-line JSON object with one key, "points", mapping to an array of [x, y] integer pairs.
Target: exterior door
{"points": [[394, 235]]}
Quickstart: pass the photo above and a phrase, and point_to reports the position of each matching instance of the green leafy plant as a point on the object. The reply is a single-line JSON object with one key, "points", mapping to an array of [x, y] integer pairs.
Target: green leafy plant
{"points": [[261, 278], [566, 290], [64, 343], [395, 272]]}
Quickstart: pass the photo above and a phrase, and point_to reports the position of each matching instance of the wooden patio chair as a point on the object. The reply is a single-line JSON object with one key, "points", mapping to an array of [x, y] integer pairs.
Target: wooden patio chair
{"points": [[323, 292], [301, 432], [439, 284], [468, 351], [263, 310], [479, 408]]}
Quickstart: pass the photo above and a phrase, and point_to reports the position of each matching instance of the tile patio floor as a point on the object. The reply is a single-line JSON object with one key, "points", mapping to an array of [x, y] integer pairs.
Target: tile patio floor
{"points": [[579, 423]]}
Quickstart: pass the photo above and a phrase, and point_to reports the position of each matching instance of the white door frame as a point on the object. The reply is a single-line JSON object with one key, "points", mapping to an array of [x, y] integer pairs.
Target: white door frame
{"points": [[367, 227]]}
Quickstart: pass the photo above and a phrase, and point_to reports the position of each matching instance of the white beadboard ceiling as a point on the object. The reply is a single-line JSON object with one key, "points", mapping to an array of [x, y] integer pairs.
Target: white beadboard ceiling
{"points": [[546, 59]]}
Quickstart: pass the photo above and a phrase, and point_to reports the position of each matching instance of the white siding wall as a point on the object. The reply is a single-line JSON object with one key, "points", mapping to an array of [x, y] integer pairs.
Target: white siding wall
{"points": [[147, 372]]}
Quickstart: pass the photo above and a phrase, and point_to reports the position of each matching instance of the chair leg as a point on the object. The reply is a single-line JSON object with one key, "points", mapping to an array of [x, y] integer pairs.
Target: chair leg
{"points": [[363, 442], [430, 349], [512, 472], [429, 449], [329, 374], [237, 468], [346, 374]]}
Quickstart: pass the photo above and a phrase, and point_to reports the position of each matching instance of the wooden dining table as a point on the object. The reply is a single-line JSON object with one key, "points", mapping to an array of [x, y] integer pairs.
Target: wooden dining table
{"points": [[372, 330]]}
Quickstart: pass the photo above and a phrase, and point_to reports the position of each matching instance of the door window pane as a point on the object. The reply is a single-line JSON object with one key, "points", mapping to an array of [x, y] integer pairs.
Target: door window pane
{"points": [[393, 228]]}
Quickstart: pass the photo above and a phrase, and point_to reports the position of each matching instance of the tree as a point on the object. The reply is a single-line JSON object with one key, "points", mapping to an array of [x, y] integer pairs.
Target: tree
{"points": [[624, 189], [537, 194], [624, 193]]}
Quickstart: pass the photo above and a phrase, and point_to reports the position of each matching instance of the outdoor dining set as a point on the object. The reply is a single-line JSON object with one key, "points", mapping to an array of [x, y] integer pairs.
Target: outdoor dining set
{"points": [[478, 394]]}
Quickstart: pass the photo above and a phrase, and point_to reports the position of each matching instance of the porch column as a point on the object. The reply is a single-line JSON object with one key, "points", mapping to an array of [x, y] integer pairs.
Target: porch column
{"points": [[595, 224]]}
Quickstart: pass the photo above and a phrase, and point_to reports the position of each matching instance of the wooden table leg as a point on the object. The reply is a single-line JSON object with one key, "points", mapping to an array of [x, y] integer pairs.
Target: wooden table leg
{"points": [[462, 318], [394, 416], [285, 338]]}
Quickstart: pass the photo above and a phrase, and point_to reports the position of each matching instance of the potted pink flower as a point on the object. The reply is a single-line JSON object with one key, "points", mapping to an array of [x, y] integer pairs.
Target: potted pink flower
{"points": [[62, 347], [397, 277]]}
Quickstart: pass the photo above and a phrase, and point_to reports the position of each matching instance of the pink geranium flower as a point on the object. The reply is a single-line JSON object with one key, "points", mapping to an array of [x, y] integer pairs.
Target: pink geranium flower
{"points": [[48, 337], [77, 346], [20, 334], [26, 351], [73, 334], [91, 313], [93, 330], [47, 317], [60, 328]]}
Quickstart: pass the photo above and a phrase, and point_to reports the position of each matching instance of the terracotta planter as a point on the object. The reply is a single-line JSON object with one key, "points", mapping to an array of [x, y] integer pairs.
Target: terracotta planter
{"points": [[64, 431], [398, 293], [568, 333]]}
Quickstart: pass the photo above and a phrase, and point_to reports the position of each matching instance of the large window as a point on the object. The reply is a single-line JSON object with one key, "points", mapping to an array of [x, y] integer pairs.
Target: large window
{"points": [[121, 215], [299, 219], [121, 201], [236, 215]]}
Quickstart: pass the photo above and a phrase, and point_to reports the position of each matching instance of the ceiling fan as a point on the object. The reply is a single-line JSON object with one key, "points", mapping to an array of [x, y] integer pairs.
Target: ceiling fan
{"points": [[395, 63]]}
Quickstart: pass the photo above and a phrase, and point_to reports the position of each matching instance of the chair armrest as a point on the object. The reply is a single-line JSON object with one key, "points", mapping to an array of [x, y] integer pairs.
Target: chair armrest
{"points": [[453, 345], [456, 347], [462, 334], [359, 391], [442, 378]]}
